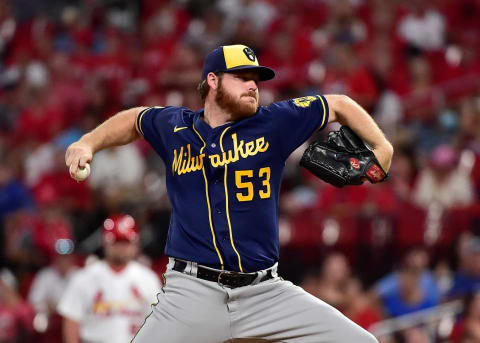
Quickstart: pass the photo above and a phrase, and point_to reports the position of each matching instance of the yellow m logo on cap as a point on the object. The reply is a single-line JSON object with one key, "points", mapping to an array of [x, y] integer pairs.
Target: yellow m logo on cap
{"points": [[239, 55]]}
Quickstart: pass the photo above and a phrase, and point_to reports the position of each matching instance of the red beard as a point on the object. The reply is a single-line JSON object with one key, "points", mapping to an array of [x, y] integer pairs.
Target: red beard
{"points": [[231, 105]]}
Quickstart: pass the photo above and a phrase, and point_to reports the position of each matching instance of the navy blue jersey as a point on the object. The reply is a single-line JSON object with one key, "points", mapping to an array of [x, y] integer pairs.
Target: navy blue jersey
{"points": [[224, 183]]}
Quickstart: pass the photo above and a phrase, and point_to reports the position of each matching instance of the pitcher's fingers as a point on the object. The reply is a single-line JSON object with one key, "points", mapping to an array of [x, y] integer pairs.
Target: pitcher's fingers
{"points": [[71, 155], [83, 161], [68, 158], [74, 166]]}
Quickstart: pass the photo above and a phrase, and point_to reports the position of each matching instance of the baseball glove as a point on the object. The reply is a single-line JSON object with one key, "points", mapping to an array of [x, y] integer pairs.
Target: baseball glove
{"points": [[343, 159]]}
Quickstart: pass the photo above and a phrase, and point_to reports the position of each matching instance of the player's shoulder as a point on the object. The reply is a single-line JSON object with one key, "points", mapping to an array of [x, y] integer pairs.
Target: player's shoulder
{"points": [[175, 113], [45, 273], [275, 108], [140, 269], [91, 270], [79, 277], [168, 118], [294, 103]]}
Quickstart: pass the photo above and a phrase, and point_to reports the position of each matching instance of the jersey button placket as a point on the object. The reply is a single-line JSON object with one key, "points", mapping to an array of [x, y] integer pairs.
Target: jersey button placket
{"points": [[212, 143], [218, 198]]}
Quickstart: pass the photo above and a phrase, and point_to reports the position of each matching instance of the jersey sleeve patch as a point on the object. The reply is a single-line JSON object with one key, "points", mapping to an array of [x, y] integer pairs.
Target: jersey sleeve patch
{"points": [[304, 101], [307, 101]]}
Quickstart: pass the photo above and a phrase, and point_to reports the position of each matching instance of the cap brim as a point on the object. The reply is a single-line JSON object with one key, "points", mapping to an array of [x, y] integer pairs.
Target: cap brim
{"points": [[264, 73]]}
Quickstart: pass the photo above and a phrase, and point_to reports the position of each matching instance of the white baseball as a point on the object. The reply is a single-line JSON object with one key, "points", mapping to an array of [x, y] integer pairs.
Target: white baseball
{"points": [[81, 174]]}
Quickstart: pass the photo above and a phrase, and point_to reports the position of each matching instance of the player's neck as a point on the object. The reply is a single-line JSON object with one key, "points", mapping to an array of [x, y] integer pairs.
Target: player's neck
{"points": [[117, 268], [215, 116]]}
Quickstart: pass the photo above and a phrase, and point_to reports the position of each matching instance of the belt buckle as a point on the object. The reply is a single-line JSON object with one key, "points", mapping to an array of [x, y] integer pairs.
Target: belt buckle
{"points": [[220, 277]]}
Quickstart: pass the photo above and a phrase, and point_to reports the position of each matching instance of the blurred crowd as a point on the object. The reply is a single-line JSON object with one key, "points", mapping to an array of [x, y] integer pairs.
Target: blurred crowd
{"points": [[375, 252]]}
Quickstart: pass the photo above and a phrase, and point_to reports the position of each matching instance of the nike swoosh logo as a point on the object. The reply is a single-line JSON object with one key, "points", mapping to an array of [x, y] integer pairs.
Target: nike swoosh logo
{"points": [[176, 129]]}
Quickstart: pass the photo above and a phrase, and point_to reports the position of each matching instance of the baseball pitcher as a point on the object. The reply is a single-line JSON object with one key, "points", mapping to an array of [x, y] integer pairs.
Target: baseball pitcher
{"points": [[224, 168]]}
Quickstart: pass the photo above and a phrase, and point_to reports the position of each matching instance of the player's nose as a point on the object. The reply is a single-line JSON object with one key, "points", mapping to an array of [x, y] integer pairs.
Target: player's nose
{"points": [[252, 85]]}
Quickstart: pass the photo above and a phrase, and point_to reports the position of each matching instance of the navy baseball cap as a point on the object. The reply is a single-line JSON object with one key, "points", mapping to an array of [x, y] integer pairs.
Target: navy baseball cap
{"points": [[229, 58]]}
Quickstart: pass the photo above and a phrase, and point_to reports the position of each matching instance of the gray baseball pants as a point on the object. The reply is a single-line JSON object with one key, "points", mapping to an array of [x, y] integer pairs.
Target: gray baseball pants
{"points": [[190, 309]]}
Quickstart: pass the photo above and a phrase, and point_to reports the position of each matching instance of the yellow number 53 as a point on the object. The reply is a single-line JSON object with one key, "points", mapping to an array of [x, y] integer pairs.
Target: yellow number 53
{"points": [[247, 186]]}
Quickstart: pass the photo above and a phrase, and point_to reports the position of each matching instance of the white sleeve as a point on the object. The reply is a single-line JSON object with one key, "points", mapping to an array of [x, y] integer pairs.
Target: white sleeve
{"points": [[462, 190], [99, 174], [154, 287], [38, 293], [74, 302], [133, 166]]}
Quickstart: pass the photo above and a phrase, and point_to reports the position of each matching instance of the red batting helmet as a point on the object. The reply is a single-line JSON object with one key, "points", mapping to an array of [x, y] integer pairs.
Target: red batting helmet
{"points": [[119, 227]]}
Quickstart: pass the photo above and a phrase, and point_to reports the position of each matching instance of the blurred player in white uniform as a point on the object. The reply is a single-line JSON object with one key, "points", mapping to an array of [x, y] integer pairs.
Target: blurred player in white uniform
{"points": [[106, 302], [48, 287]]}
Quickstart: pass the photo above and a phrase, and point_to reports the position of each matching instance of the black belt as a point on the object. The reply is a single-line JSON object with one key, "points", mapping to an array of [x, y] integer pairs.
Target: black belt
{"points": [[223, 277]]}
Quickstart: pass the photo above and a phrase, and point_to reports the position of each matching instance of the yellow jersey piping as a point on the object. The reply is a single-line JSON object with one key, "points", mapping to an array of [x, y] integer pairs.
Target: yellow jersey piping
{"points": [[208, 200], [226, 205], [324, 114], [140, 116]]}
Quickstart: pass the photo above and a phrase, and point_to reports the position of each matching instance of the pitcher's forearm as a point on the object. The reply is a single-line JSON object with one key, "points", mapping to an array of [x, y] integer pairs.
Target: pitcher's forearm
{"points": [[117, 130]]}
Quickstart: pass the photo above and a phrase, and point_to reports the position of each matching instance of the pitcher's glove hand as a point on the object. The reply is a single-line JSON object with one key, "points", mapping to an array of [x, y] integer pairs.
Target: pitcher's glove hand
{"points": [[343, 159]]}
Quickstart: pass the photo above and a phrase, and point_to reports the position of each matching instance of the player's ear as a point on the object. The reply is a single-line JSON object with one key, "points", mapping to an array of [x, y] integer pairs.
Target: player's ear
{"points": [[212, 80]]}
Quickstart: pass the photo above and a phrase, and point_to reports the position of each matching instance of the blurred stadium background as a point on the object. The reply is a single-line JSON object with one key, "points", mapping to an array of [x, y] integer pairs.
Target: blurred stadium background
{"points": [[401, 258]]}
